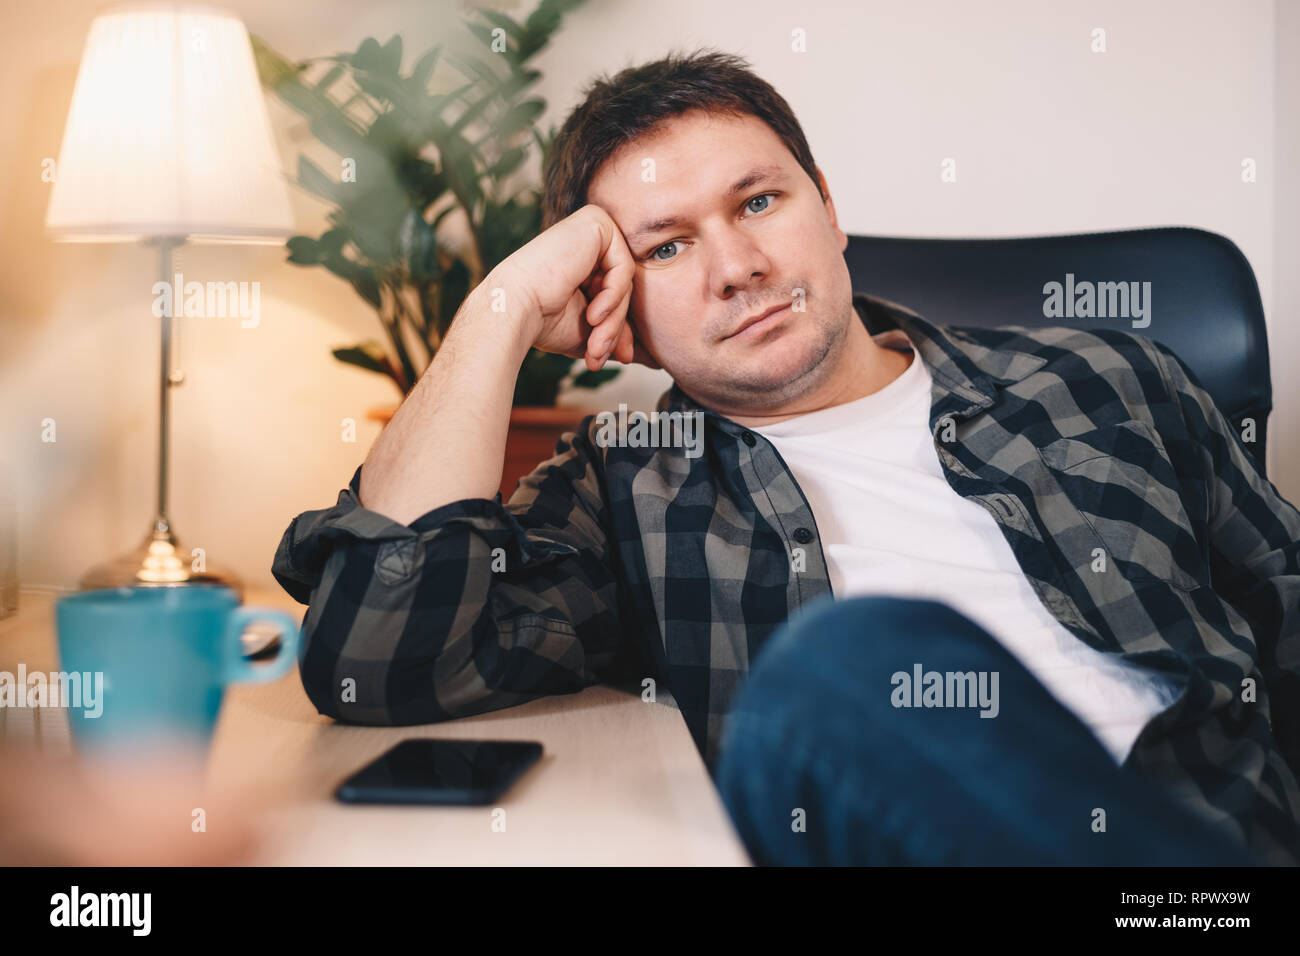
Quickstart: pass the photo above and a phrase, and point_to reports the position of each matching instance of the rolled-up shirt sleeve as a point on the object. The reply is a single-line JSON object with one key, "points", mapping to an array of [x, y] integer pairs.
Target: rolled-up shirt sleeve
{"points": [[471, 607]]}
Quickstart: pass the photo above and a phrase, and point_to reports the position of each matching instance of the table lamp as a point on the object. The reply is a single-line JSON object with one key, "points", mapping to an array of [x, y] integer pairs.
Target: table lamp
{"points": [[167, 141]]}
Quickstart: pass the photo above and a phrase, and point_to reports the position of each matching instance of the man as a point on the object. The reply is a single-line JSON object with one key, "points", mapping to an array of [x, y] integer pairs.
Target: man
{"points": [[1068, 626]]}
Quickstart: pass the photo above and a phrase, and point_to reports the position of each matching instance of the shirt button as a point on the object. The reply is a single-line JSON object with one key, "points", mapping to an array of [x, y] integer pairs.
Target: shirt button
{"points": [[749, 439], [803, 535]]}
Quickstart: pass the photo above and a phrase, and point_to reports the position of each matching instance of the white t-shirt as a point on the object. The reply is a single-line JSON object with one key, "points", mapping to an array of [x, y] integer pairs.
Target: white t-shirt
{"points": [[891, 524]]}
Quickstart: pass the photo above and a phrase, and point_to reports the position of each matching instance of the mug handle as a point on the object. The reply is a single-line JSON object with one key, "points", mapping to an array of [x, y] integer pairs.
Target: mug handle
{"points": [[243, 671]]}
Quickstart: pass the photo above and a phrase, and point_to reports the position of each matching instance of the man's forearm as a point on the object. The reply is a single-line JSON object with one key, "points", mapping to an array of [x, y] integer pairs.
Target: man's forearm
{"points": [[447, 440]]}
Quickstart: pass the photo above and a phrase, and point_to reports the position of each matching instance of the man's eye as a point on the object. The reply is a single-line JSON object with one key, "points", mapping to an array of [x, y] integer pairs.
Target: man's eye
{"points": [[763, 199], [655, 254]]}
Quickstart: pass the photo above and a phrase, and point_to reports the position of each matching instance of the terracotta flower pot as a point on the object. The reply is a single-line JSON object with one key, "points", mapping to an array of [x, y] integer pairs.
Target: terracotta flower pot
{"points": [[530, 440]]}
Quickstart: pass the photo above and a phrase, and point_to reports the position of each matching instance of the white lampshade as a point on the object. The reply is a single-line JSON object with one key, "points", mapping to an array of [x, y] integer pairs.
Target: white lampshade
{"points": [[168, 133]]}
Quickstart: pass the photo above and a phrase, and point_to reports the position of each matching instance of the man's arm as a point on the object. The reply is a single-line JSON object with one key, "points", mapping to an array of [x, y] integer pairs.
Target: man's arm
{"points": [[447, 440], [1254, 546], [469, 608], [428, 598]]}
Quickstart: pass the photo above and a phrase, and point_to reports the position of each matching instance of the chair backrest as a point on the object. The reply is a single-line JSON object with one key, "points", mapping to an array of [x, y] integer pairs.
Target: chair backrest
{"points": [[1203, 300]]}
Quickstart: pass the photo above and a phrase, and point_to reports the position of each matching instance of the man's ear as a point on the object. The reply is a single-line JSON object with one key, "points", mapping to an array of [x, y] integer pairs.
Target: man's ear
{"points": [[830, 208]]}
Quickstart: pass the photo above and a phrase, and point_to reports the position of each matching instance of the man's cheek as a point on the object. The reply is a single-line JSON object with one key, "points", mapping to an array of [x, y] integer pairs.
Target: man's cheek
{"points": [[663, 325]]}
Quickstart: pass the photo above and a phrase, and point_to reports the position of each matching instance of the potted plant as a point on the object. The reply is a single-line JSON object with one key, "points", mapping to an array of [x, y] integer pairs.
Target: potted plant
{"points": [[415, 149]]}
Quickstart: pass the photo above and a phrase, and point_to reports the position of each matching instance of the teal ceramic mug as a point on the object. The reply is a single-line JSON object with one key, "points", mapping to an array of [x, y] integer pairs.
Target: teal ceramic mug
{"points": [[166, 656]]}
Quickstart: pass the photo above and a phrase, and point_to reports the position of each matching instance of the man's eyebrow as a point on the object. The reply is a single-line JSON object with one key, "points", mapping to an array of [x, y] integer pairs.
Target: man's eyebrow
{"points": [[752, 178]]}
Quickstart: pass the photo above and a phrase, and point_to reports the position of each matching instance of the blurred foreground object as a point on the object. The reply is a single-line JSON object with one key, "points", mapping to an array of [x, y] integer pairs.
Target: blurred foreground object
{"points": [[58, 810]]}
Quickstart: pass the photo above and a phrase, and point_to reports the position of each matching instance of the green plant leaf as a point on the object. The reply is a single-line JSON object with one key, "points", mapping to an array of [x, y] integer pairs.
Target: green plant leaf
{"points": [[362, 278], [422, 180], [474, 68], [519, 118], [542, 24], [372, 209], [503, 89], [545, 20], [496, 18], [509, 51], [589, 378], [390, 125], [539, 378], [329, 79], [332, 240], [460, 165], [368, 56], [389, 135], [366, 355], [376, 242], [367, 286], [501, 227], [422, 72], [303, 251], [543, 143], [392, 56], [333, 128], [313, 179], [454, 288], [384, 88], [418, 245], [510, 161], [518, 81]]}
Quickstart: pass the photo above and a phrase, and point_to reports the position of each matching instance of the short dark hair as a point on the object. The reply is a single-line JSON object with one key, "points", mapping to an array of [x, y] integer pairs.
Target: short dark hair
{"points": [[637, 100]]}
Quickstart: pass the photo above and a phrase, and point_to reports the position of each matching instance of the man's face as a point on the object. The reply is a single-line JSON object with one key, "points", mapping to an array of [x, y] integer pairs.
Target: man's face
{"points": [[724, 225]]}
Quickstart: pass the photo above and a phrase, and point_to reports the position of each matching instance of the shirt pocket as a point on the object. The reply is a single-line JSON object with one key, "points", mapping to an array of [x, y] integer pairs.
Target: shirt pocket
{"points": [[1120, 479]]}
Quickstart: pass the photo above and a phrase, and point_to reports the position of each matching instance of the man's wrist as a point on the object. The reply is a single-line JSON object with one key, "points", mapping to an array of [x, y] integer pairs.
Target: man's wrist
{"points": [[502, 307]]}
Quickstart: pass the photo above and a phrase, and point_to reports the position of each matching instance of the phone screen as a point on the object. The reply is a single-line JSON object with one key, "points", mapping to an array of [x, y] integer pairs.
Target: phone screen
{"points": [[441, 772]]}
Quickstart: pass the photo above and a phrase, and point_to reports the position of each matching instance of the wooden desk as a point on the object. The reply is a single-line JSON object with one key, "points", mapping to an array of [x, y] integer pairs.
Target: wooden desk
{"points": [[620, 782]]}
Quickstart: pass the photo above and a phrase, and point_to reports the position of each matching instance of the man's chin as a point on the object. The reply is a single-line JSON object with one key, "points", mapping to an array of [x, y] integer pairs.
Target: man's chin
{"points": [[780, 360], [767, 377]]}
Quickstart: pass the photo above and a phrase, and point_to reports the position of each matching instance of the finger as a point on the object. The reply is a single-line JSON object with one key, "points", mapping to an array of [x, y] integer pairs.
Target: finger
{"points": [[623, 351], [590, 286], [570, 319], [603, 340], [614, 349], [599, 307], [605, 304], [618, 268], [595, 353], [610, 332], [596, 356]]}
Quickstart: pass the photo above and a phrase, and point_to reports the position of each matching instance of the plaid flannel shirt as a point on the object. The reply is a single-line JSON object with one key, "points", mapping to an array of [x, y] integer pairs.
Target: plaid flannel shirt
{"points": [[612, 564]]}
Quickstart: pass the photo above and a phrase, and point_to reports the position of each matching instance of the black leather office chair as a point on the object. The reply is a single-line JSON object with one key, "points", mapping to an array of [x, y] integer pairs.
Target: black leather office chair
{"points": [[1205, 300]]}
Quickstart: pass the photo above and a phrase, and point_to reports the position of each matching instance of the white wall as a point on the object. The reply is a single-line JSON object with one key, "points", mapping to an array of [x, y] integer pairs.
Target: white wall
{"points": [[1049, 137], [1283, 313]]}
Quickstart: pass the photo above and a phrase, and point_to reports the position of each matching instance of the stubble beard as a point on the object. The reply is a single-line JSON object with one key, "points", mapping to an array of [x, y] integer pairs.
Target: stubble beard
{"points": [[756, 392]]}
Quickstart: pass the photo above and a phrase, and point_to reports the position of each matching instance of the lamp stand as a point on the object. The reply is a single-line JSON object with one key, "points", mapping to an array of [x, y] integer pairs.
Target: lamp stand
{"points": [[159, 560]]}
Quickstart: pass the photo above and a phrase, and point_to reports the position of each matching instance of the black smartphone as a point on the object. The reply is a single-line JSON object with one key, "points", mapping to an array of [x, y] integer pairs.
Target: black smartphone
{"points": [[455, 772]]}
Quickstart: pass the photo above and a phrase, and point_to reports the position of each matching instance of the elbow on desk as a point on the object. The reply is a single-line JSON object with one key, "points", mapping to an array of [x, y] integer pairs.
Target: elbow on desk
{"points": [[379, 679]]}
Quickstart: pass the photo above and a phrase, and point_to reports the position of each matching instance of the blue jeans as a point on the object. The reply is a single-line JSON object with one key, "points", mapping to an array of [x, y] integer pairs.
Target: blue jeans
{"points": [[821, 765]]}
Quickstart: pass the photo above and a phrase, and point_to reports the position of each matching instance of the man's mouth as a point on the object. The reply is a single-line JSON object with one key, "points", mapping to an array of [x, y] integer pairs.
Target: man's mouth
{"points": [[756, 325]]}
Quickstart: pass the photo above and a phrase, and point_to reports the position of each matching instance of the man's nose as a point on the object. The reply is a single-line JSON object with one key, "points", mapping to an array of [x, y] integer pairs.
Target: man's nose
{"points": [[736, 262]]}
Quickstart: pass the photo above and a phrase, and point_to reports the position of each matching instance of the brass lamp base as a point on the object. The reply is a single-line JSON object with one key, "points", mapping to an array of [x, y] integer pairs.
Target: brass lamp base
{"points": [[157, 562]]}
